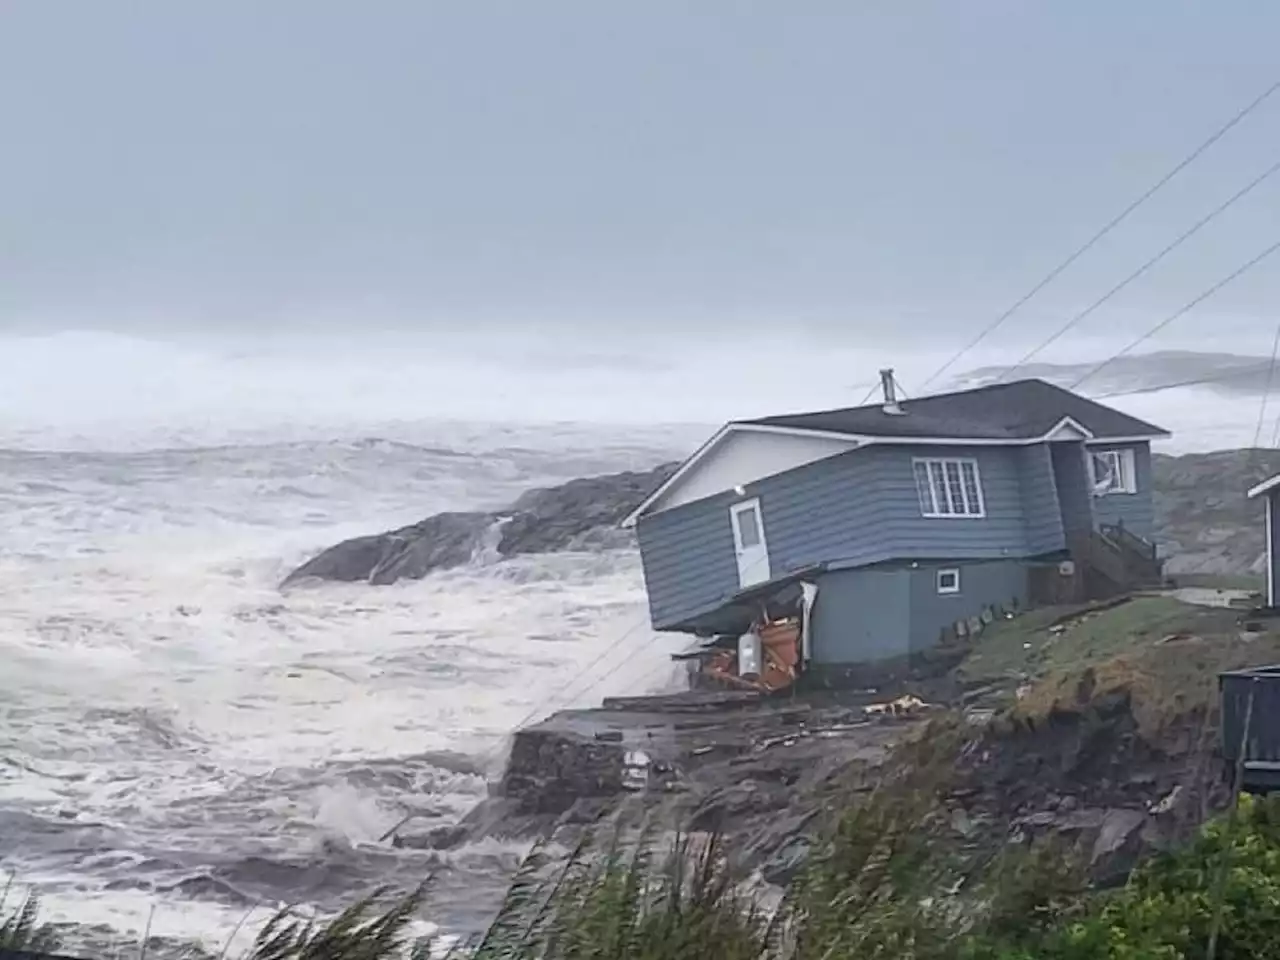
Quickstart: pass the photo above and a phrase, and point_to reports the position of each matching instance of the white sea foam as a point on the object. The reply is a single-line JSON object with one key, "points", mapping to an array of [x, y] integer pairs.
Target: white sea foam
{"points": [[166, 711]]}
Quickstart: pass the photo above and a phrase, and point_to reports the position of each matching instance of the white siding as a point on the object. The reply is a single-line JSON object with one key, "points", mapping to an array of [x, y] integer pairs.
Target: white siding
{"points": [[743, 457]]}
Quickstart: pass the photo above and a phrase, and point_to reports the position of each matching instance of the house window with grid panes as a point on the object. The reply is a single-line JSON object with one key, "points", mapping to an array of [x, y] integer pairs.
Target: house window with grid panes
{"points": [[949, 487]]}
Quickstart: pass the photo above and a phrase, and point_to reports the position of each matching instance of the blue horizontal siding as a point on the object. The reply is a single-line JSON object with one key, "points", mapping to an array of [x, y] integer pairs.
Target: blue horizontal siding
{"points": [[881, 612], [1075, 497], [861, 507], [1135, 510], [688, 558], [857, 508], [993, 583], [1042, 512], [861, 616]]}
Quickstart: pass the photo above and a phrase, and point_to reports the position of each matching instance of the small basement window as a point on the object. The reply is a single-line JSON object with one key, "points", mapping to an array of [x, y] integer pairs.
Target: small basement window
{"points": [[949, 580]]}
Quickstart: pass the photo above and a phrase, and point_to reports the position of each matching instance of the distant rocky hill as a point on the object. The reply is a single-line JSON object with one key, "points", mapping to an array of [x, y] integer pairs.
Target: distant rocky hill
{"points": [[1203, 521], [1230, 373]]}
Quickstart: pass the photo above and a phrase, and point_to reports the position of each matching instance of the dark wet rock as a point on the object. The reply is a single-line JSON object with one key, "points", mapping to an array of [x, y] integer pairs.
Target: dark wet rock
{"points": [[550, 769], [204, 886], [437, 838], [782, 866], [582, 513], [762, 787], [769, 776]]}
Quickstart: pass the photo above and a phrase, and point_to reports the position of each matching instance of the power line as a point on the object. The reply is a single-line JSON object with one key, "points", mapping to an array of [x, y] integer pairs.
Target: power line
{"points": [[635, 650], [1111, 225], [1194, 382], [1222, 208], [1262, 407], [1275, 433], [540, 706], [1187, 308]]}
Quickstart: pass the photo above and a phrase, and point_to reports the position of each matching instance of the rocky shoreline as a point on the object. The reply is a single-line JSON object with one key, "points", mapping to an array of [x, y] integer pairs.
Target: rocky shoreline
{"points": [[754, 769], [582, 514]]}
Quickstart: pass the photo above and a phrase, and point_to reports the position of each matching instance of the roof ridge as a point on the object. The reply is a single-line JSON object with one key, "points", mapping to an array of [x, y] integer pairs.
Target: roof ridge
{"points": [[905, 403]]}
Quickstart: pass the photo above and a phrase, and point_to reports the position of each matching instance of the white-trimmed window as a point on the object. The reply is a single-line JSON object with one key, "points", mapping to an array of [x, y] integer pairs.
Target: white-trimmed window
{"points": [[949, 580], [1112, 471], [949, 487]]}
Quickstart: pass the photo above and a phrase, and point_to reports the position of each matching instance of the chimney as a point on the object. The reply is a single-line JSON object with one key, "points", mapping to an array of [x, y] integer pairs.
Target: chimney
{"points": [[890, 393]]}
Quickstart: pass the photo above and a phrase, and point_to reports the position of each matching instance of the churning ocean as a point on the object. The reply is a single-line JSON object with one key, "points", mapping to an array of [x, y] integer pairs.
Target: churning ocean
{"points": [[181, 743]]}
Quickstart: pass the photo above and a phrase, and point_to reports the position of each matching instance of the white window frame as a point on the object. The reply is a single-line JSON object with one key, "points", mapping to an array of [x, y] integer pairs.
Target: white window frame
{"points": [[942, 507], [1124, 471], [954, 574]]}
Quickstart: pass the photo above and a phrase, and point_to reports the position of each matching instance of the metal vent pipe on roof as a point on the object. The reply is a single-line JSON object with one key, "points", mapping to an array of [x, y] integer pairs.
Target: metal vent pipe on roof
{"points": [[890, 392]]}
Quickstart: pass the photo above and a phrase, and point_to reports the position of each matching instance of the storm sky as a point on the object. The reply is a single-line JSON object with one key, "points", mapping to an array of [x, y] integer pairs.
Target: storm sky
{"points": [[624, 170]]}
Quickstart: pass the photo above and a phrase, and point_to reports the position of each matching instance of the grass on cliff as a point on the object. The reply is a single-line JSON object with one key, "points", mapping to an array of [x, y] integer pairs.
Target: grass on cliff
{"points": [[879, 889], [1029, 645], [1164, 653], [373, 928]]}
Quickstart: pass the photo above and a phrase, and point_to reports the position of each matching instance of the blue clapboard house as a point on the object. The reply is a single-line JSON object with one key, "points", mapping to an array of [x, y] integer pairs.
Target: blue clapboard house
{"points": [[909, 519]]}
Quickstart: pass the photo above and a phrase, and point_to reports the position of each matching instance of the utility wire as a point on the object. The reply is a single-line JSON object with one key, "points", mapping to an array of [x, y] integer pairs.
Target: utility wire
{"points": [[1262, 407], [1187, 235], [1111, 225], [1259, 367], [544, 705], [1187, 308], [1194, 382], [1275, 434]]}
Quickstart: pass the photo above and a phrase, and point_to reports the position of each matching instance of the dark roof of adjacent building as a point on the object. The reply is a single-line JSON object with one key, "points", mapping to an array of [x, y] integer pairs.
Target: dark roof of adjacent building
{"points": [[1019, 410]]}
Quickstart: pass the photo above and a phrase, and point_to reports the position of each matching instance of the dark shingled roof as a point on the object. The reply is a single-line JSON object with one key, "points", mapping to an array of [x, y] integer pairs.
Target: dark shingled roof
{"points": [[1019, 410]]}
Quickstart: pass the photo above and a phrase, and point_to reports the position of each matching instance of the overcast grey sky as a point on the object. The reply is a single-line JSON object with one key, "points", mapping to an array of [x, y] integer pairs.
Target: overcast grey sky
{"points": [[620, 167]]}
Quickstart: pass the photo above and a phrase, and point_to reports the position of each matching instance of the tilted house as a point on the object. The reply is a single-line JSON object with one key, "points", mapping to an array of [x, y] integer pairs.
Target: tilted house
{"points": [[908, 517]]}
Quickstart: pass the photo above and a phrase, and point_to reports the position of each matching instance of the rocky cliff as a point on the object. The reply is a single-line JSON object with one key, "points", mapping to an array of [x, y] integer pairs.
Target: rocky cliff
{"points": [[581, 513], [1203, 521]]}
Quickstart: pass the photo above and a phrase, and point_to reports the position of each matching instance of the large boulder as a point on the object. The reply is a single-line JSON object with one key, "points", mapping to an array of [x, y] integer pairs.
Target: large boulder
{"points": [[582, 512]]}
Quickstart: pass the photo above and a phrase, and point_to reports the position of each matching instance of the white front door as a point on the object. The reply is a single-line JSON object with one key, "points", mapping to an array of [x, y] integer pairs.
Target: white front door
{"points": [[748, 541]]}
